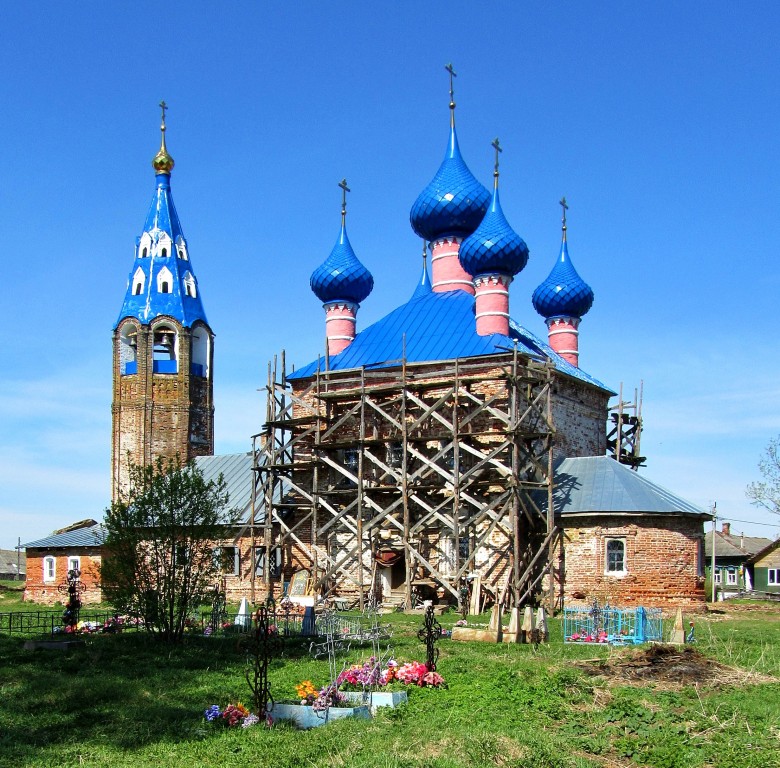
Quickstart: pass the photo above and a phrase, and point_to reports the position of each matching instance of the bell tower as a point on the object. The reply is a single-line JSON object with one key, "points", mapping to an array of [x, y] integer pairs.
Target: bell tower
{"points": [[163, 373]]}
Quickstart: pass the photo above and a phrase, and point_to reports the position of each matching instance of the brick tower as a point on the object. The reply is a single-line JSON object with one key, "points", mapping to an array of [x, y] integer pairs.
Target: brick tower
{"points": [[163, 398]]}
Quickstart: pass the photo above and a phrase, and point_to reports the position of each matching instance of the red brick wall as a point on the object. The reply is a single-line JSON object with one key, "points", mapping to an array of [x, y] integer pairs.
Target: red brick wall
{"points": [[36, 590], [661, 559]]}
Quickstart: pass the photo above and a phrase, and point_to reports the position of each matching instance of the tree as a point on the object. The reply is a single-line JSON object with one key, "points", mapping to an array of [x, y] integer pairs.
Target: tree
{"points": [[766, 493], [159, 557]]}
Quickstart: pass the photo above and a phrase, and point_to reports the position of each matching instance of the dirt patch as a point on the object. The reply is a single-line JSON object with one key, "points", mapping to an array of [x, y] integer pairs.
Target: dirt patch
{"points": [[669, 664]]}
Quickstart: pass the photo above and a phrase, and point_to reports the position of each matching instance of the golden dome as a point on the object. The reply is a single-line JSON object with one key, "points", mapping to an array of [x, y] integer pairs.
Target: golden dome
{"points": [[162, 162]]}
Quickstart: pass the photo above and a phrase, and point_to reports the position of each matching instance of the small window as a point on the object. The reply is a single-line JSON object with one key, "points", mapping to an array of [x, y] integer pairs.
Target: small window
{"points": [[773, 576], [164, 252], [226, 560], [74, 563], [164, 287], [49, 569], [395, 454], [616, 556], [731, 576], [139, 279], [718, 576], [144, 253], [275, 570]]}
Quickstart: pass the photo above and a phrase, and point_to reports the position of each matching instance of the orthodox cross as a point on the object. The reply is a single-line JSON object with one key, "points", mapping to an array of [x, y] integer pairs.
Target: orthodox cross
{"points": [[498, 149], [564, 208], [453, 74], [344, 190], [164, 107]]}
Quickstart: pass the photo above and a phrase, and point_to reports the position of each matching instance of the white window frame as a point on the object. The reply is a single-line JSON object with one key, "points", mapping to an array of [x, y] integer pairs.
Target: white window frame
{"points": [[607, 570], [731, 577], [773, 576], [718, 576], [49, 564], [164, 280], [74, 559]]}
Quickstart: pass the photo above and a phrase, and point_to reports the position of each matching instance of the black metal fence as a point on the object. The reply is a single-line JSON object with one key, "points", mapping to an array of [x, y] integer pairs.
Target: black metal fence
{"points": [[49, 622]]}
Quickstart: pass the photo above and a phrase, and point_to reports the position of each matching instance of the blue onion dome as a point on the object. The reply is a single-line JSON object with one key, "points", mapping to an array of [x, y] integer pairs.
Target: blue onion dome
{"points": [[494, 248], [454, 203], [564, 293], [341, 277]]}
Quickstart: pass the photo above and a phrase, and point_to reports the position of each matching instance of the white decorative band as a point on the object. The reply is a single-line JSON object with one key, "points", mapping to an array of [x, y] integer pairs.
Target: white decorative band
{"points": [[495, 291], [492, 314], [348, 318], [560, 320], [447, 241], [445, 255], [572, 331], [495, 279], [453, 282], [573, 352], [341, 338], [331, 306]]}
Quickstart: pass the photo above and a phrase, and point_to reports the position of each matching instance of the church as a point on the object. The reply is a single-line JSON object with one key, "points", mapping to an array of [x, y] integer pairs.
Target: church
{"points": [[442, 449]]}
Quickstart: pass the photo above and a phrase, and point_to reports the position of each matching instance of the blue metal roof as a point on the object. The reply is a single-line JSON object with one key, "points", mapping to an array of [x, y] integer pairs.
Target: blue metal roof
{"points": [[162, 219], [564, 293], [454, 202], [437, 326], [341, 277], [89, 536], [494, 248], [598, 484]]}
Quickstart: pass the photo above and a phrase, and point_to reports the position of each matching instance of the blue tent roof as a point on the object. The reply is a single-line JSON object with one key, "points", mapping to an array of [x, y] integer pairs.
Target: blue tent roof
{"points": [[436, 326], [150, 303]]}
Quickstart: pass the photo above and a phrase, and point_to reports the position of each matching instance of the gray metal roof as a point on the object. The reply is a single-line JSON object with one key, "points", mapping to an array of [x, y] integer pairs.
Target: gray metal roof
{"points": [[89, 536], [236, 469], [591, 484], [731, 545]]}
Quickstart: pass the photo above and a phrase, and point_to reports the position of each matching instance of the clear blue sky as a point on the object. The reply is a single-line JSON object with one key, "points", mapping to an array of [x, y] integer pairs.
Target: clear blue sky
{"points": [[659, 122]]}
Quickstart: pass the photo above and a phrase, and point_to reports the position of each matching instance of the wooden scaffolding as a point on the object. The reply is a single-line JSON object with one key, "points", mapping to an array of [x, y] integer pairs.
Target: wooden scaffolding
{"points": [[446, 466]]}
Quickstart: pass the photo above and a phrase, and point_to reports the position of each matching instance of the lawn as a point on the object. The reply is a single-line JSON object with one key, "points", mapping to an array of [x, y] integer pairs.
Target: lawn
{"points": [[124, 700]]}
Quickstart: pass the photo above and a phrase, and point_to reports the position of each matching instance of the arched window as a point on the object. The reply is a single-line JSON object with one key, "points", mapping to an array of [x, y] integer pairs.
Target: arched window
{"points": [[145, 245], [49, 569], [616, 556], [144, 253], [164, 280], [164, 252], [199, 355], [190, 288], [128, 342], [181, 248], [139, 280]]}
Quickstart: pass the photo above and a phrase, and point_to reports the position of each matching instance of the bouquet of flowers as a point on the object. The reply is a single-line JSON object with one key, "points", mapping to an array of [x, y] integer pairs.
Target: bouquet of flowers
{"points": [[416, 673], [232, 716]]}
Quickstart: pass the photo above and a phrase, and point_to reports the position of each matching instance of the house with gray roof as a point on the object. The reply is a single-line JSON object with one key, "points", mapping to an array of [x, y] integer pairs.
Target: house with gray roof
{"points": [[626, 540]]}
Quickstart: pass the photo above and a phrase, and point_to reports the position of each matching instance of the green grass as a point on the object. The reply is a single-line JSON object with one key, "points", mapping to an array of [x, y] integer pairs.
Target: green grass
{"points": [[124, 700]]}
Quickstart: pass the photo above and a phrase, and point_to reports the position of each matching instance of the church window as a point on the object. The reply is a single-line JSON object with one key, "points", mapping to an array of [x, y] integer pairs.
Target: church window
{"points": [[164, 280], [275, 570], [144, 253], [164, 252], [616, 556], [189, 285], [74, 564], [49, 569], [164, 343], [199, 354], [139, 279], [226, 560]]}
